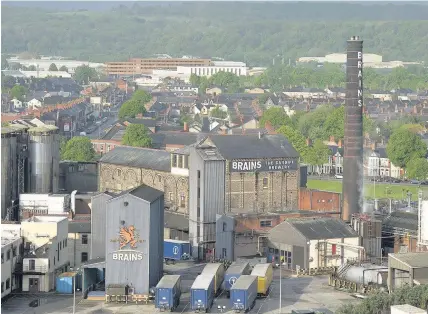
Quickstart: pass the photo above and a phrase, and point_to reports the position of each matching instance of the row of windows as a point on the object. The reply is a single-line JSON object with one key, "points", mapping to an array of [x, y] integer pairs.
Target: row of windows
{"points": [[7, 285], [8, 254]]}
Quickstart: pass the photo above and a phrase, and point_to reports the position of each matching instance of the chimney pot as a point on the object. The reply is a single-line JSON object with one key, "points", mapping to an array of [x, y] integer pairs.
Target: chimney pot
{"points": [[185, 127], [373, 146]]}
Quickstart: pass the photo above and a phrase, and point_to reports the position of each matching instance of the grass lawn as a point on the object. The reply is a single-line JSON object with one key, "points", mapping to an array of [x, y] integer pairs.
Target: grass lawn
{"points": [[383, 190]]}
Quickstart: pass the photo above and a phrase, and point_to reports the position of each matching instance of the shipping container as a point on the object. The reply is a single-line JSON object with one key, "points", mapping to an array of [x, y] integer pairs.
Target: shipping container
{"points": [[232, 274], [406, 309], [243, 294], [64, 282], [168, 292], [202, 293], [264, 272], [176, 250], [216, 269]]}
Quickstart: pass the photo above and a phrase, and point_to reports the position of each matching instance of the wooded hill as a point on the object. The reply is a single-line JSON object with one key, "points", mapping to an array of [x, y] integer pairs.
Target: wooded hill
{"points": [[254, 32]]}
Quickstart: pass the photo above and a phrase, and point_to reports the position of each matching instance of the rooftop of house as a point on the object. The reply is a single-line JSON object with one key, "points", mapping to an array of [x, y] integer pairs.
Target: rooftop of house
{"points": [[143, 192], [136, 157], [79, 227], [251, 146], [413, 260]]}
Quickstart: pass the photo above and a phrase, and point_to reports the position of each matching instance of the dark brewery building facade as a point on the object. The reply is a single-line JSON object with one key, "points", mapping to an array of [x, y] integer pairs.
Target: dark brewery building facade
{"points": [[233, 174], [127, 239]]}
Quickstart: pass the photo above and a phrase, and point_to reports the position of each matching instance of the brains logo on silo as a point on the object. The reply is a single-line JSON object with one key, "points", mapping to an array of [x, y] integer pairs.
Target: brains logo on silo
{"points": [[128, 237]]}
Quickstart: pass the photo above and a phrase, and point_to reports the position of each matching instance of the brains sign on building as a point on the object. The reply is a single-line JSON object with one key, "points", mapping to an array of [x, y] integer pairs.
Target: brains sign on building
{"points": [[128, 240]]}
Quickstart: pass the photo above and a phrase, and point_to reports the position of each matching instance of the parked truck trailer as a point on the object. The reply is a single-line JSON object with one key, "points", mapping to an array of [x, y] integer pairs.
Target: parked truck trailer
{"points": [[233, 273], [264, 272], [168, 292], [216, 269], [202, 293], [243, 294]]}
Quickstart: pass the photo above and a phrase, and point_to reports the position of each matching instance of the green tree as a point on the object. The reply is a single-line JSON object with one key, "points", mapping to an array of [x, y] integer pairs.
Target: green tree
{"points": [[85, 74], [142, 96], [8, 81], [216, 112], [194, 79], [32, 68], [137, 135], [4, 64], [318, 155], [18, 92], [130, 109], [63, 68], [263, 98], [53, 67], [334, 125], [79, 148], [403, 146], [276, 116], [417, 168], [296, 139]]}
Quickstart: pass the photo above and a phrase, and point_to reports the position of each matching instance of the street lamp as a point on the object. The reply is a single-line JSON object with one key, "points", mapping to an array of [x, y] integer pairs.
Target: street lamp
{"points": [[74, 288]]}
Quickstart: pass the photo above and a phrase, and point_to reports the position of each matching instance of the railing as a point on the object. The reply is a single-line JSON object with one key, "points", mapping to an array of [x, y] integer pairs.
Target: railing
{"points": [[37, 269]]}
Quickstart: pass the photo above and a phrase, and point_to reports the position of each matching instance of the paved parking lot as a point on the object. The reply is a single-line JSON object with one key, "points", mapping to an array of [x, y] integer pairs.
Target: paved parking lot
{"points": [[48, 303], [297, 294]]}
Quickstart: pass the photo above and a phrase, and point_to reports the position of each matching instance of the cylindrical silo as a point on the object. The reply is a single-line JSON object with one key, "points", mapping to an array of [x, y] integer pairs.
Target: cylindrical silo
{"points": [[42, 159], [367, 274], [8, 168]]}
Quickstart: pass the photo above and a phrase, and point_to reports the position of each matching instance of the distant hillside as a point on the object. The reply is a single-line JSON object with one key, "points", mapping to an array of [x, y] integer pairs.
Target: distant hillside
{"points": [[254, 31]]}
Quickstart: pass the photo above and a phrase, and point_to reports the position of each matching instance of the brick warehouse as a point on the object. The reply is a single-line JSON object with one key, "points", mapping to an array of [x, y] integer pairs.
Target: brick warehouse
{"points": [[239, 174], [128, 167]]}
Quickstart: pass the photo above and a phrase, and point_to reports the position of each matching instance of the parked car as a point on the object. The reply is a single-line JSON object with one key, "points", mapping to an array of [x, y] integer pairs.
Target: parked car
{"points": [[338, 176]]}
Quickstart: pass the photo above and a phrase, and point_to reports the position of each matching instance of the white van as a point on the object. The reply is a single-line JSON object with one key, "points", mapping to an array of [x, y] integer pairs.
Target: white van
{"points": [[82, 133], [338, 176]]}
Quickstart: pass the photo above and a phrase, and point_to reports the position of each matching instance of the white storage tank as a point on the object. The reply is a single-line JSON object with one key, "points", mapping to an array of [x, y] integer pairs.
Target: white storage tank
{"points": [[406, 309], [367, 274], [424, 222]]}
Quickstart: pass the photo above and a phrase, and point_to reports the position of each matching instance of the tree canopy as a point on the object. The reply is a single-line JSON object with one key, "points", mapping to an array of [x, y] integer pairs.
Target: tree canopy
{"points": [[53, 67], [403, 146], [135, 105], [137, 135], [214, 29], [79, 148], [4, 64], [276, 116], [18, 92], [318, 154], [417, 168], [63, 68], [297, 140], [84, 74], [216, 112]]}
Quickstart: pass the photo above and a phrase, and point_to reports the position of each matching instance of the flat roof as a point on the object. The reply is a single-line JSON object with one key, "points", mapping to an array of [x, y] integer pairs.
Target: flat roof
{"points": [[45, 219], [413, 260]]}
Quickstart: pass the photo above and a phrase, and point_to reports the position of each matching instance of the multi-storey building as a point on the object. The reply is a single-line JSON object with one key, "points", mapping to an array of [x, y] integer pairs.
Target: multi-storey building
{"points": [[137, 66], [11, 254]]}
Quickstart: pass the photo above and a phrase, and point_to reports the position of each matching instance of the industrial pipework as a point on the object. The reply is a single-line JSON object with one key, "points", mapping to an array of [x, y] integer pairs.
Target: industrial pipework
{"points": [[353, 155]]}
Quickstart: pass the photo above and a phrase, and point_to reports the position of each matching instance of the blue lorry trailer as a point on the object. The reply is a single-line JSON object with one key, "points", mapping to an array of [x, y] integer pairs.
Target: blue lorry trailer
{"points": [[216, 269], [202, 293], [232, 274], [168, 292], [175, 250], [243, 293]]}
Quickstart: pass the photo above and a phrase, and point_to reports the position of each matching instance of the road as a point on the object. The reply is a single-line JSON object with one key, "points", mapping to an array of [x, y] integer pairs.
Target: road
{"points": [[101, 129], [325, 178]]}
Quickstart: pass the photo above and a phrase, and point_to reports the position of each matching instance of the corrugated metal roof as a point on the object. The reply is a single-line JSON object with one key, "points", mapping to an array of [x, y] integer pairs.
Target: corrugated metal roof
{"points": [[168, 281], [260, 270], [413, 260], [139, 158], [146, 193], [401, 220], [203, 281], [322, 228], [251, 146], [244, 282]]}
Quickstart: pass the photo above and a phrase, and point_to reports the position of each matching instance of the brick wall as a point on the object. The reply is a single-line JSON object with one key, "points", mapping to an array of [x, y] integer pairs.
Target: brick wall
{"points": [[116, 178], [319, 200], [258, 192]]}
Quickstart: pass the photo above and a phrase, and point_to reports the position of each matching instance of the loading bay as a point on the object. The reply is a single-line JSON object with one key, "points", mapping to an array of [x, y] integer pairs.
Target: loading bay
{"points": [[303, 293]]}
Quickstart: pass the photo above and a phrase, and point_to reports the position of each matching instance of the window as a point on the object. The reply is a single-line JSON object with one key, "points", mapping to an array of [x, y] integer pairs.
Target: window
{"points": [[199, 212], [199, 192], [60, 245], [265, 183], [14, 251], [84, 257], [84, 239], [224, 226], [7, 283], [32, 264], [224, 253], [8, 255], [182, 201], [265, 223], [2, 258], [199, 174], [118, 172], [171, 196], [108, 148], [159, 178], [333, 249]]}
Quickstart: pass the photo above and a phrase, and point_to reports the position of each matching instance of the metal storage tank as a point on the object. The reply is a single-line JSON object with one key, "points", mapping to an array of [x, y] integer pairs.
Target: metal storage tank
{"points": [[366, 274], [43, 159], [9, 169], [134, 239], [423, 222]]}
